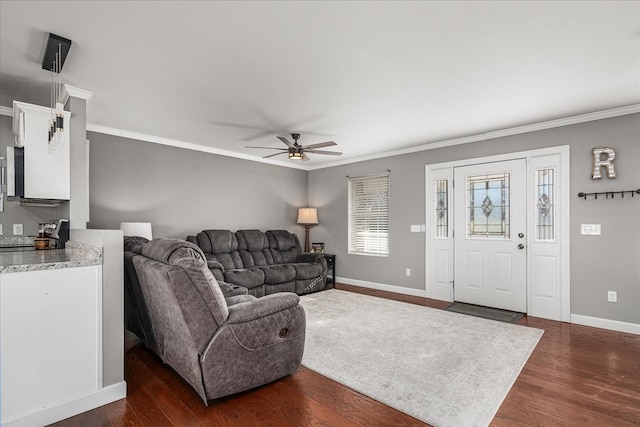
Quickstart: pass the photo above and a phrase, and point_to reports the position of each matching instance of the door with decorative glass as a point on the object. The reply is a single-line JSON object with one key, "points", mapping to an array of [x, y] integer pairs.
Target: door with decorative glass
{"points": [[490, 264]]}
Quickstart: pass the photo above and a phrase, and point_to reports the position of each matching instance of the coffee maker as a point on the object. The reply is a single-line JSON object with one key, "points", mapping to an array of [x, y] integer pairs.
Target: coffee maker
{"points": [[61, 233], [56, 229]]}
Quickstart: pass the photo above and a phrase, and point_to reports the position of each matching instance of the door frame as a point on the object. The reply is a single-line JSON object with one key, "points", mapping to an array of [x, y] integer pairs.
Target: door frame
{"points": [[439, 284]]}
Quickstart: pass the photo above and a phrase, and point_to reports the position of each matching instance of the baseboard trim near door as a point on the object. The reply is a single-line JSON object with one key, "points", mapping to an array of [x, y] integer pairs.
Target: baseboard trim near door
{"points": [[383, 287], [68, 408], [614, 325]]}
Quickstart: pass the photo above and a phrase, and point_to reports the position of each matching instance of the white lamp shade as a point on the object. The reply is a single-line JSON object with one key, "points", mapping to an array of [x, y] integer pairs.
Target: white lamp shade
{"points": [[307, 216], [142, 229]]}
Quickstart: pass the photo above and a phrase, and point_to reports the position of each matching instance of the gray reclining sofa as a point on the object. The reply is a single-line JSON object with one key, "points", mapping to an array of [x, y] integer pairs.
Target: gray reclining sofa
{"points": [[262, 262], [219, 345]]}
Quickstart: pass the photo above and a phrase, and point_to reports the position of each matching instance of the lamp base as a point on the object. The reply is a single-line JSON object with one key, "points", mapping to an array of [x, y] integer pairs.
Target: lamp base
{"points": [[306, 238]]}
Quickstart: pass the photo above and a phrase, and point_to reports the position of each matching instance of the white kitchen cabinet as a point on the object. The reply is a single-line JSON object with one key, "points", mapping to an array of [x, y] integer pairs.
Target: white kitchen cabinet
{"points": [[47, 175], [51, 342]]}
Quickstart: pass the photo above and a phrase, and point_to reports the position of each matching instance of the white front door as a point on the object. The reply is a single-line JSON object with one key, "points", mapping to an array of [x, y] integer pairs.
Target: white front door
{"points": [[490, 264]]}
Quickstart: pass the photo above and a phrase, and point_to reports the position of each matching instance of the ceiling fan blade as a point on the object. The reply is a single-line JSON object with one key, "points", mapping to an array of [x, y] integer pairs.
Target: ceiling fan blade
{"points": [[286, 142], [267, 148], [333, 153], [237, 125], [305, 157], [320, 145], [271, 155]]}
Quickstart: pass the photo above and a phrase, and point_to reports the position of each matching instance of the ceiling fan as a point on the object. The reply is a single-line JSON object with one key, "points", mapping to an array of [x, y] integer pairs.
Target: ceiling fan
{"points": [[297, 151]]}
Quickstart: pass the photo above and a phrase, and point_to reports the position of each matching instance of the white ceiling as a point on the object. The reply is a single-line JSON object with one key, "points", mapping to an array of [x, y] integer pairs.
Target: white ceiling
{"points": [[372, 76]]}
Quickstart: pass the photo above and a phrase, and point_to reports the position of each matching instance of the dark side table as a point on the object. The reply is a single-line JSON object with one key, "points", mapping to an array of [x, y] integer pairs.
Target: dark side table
{"points": [[331, 264]]}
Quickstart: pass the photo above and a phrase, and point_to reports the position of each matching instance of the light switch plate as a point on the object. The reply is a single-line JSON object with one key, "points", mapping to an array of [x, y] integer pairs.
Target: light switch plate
{"points": [[415, 228], [590, 229]]}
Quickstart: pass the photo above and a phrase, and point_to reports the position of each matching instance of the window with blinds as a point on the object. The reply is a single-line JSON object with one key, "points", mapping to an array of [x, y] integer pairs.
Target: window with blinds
{"points": [[369, 215]]}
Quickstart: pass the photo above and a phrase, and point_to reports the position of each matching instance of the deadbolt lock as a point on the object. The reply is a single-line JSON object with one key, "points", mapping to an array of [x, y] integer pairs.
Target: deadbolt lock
{"points": [[521, 235]]}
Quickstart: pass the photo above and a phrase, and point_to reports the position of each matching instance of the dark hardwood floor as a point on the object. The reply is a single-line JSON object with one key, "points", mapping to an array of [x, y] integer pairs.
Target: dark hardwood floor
{"points": [[576, 376]]}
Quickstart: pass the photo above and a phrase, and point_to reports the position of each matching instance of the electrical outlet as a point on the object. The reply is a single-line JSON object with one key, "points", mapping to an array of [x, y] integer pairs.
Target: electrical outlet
{"points": [[17, 229], [590, 229], [0, 229], [612, 296], [407, 272]]}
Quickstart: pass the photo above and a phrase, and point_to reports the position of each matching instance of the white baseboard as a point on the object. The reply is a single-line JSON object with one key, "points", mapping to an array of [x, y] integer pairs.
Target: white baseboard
{"points": [[578, 319], [69, 408], [383, 287], [614, 325]]}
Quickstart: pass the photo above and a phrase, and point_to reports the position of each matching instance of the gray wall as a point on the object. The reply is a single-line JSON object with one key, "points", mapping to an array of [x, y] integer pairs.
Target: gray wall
{"points": [[183, 192], [13, 213], [598, 264], [79, 186]]}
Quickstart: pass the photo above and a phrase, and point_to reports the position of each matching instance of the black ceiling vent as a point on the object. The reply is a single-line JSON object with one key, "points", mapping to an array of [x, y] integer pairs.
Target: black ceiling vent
{"points": [[52, 48]]}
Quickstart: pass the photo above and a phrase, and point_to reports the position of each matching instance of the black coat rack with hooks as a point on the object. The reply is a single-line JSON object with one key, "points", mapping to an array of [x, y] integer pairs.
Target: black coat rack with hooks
{"points": [[609, 194]]}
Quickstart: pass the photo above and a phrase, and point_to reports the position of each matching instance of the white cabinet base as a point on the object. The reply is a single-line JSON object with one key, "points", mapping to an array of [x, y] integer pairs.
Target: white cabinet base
{"points": [[69, 408], [51, 343]]}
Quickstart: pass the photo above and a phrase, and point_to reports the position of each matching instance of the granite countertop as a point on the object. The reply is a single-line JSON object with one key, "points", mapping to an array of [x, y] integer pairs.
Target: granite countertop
{"points": [[75, 255]]}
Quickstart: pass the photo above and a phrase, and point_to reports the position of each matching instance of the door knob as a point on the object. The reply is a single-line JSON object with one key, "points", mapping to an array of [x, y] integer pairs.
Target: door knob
{"points": [[520, 246], [521, 235]]}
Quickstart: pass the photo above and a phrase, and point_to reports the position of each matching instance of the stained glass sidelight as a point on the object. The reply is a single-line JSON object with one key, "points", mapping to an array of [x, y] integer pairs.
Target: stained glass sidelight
{"points": [[441, 225], [544, 205], [488, 205]]}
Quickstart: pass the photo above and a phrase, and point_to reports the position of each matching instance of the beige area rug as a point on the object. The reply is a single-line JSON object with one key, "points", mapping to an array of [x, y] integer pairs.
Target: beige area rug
{"points": [[444, 368]]}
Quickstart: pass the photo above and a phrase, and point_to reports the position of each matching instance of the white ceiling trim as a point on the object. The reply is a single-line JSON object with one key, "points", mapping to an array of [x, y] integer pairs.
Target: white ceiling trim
{"points": [[185, 145], [599, 115], [76, 92]]}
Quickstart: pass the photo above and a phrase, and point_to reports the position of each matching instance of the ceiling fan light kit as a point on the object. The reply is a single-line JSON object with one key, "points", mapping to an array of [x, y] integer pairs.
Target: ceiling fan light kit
{"points": [[296, 151]]}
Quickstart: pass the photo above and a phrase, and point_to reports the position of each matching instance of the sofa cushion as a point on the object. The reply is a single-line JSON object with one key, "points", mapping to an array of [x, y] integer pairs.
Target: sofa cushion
{"points": [[246, 277], [251, 240], [198, 285], [282, 245], [278, 273], [280, 287], [253, 248], [307, 270], [134, 243], [168, 250], [280, 240], [220, 246], [238, 299], [217, 241]]}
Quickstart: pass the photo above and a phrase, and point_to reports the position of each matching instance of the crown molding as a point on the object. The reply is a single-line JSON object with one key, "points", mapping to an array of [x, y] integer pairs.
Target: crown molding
{"points": [[186, 145], [566, 121], [69, 91]]}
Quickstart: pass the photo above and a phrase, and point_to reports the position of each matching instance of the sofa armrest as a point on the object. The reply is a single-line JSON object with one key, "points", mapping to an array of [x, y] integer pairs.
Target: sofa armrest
{"points": [[262, 307], [309, 257], [216, 268], [229, 290], [214, 265]]}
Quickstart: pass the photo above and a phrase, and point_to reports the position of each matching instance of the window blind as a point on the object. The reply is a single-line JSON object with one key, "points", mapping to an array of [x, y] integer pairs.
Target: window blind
{"points": [[369, 215]]}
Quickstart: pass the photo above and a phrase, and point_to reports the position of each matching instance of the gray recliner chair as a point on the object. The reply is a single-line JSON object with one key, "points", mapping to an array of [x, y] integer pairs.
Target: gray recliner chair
{"points": [[220, 347]]}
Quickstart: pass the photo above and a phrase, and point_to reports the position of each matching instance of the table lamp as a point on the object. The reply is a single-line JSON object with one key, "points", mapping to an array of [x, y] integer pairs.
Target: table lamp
{"points": [[142, 229]]}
